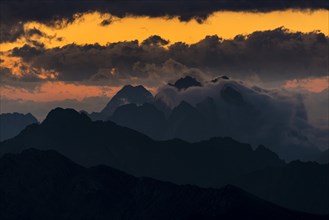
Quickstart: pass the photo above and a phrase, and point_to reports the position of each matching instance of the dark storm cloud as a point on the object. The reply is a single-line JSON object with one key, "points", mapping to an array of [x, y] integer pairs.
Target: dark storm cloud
{"points": [[34, 31], [27, 52], [11, 31], [41, 10], [48, 11], [75, 62], [269, 55]]}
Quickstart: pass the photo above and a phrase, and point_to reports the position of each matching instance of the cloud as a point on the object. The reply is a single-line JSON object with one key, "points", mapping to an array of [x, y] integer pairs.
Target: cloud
{"points": [[269, 54], [16, 73], [316, 85], [60, 12], [106, 22], [10, 31], [317, 105], [273, 55], [39, 10], [34, 31], [276, 118], [155, 40]]}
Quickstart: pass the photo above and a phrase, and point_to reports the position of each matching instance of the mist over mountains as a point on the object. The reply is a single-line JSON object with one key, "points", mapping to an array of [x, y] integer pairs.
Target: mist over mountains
{"points": [[208, 134], [212, 163], [164, 110], [91, 143], [195, 111]]}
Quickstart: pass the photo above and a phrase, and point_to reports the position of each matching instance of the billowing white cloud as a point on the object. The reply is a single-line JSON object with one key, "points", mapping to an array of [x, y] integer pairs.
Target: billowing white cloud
{"points": [[276, 118]]}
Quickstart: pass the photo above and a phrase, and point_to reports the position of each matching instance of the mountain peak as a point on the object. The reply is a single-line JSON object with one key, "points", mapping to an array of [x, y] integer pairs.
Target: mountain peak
{"points": [[185, 83], [128, 95], [21, 115], [185, 105], [134, 94], [60, 115], [183, 110], [262, 148], [232, 96], [131, 88], [11, 124]]}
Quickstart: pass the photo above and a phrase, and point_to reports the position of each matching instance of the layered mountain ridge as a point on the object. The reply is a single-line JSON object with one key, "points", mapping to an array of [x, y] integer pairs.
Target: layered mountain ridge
{"points": [[11, 124], [46, 185], [212, 163], [195, 111], [91, 143]]}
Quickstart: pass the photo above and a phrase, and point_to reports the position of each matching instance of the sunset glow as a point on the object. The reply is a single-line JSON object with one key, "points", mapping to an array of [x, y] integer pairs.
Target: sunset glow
{"points": [[45, 79], [54, 91], [312, 85], [87, 29]]}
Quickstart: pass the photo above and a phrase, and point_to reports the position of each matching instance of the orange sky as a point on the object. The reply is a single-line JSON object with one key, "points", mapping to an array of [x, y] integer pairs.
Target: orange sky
{"points": [[315, 85], [54, 91], [87, 29]]}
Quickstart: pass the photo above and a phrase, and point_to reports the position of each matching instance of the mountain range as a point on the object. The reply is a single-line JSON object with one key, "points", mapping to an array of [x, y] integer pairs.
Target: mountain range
{"points": [[290, 185], [195, 111], [212, 163], [324, 157], [45, 185], [206, 163], [128, 94], [11, 124]]}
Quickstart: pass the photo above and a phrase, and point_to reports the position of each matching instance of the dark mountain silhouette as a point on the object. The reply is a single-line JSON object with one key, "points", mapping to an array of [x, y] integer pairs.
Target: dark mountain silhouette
{"points": [[11, 124], [231, 96], [162, 105], [298, 186], [186, 122], [186, 82], [324, 157], [45, 185], [247, 114], [127, 95], [211, 163], [145, 118], [207, 163]]}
